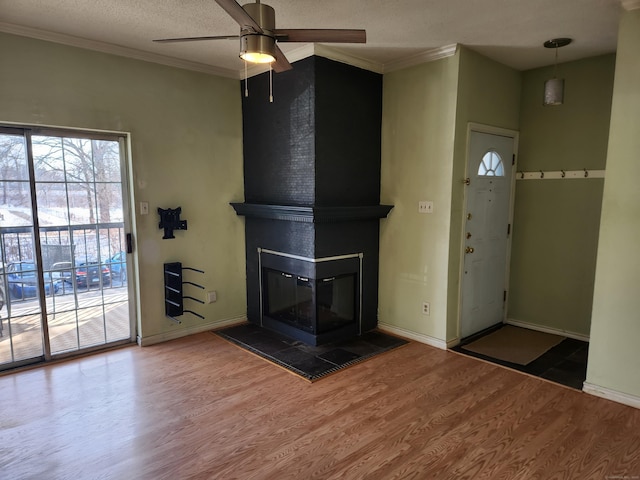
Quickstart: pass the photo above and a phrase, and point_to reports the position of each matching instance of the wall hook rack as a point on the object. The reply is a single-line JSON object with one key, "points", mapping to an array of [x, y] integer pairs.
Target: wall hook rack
{"points": [[560, 174], [174, 291], [170, 221]]}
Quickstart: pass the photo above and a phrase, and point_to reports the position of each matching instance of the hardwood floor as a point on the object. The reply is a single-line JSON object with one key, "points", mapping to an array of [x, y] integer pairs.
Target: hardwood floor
{"points": [[201, 408]]}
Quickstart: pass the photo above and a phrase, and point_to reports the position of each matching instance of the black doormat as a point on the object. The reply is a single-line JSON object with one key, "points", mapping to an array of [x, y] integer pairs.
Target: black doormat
{"points": [[311, 363]]}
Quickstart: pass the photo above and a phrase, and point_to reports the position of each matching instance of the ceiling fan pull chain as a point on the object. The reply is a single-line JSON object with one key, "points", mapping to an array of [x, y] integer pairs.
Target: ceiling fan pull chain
{"points": [[246, 80], [271, 82]]}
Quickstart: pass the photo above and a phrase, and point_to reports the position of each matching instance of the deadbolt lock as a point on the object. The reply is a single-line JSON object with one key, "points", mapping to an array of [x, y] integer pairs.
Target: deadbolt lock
{"points": [[467, 181], [468, 216], [468, 235], [468, 250]]}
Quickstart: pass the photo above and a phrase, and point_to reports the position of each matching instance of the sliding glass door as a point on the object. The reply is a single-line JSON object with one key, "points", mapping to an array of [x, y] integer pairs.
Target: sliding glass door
{"points": [[63, 231]]}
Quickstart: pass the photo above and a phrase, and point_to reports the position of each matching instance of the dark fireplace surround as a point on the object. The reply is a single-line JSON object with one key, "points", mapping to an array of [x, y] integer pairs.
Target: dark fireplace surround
{"points": [[312, 200]]}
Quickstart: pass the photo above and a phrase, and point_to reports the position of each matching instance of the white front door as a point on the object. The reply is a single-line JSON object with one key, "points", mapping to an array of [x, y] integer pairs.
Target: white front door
{"points": [[486, 231]]}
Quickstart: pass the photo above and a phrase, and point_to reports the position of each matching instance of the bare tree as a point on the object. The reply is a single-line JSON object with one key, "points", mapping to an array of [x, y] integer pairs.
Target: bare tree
{"points": [[13, 164], [86, 164]]}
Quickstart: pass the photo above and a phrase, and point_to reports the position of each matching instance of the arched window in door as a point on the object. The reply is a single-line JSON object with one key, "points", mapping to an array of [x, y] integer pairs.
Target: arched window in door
{"points": [[491, 165]]}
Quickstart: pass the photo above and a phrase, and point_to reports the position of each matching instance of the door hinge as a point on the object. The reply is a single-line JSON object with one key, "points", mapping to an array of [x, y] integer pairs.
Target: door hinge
{"points": [[513, 159], [508, 229], [504, 298]]}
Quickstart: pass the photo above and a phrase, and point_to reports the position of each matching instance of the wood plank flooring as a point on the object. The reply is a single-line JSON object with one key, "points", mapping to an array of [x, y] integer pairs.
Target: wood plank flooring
{"points": [[201, 408]]}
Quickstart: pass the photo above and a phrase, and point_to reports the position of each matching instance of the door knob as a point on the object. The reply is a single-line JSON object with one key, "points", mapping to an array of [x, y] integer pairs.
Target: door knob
{"points": [[468, 250]]}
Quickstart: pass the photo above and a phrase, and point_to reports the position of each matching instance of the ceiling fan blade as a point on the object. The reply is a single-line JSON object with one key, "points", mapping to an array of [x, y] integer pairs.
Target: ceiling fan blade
{"points": [[281, 64], [236, 12], [318, 35], [196, 39]]}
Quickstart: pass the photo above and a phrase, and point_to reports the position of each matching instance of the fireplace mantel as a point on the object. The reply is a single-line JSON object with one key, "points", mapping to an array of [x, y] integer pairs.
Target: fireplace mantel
{"points": [[312, 214]]}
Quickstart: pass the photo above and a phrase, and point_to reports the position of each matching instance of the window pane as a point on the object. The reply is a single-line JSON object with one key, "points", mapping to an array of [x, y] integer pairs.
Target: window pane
{"points": [[15, 204], [52, 204], [13, 158], [78, 160], [106, 158], [491, 165], [48, 159]]}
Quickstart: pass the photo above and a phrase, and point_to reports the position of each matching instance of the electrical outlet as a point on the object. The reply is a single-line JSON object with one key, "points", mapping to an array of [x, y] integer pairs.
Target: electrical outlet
{"points": [[425, 207], [212, 296], [426, 308]]}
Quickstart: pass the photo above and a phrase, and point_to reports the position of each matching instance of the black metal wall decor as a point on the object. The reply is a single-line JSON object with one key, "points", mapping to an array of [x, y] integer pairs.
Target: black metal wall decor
{"points": [[170, 221], [174, 291]]}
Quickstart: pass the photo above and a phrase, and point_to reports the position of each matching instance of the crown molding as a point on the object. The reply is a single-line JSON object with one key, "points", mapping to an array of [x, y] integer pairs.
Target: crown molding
{"points": [[340, 56], [629, 5], [115, 50], [422, 57], [311, 49], [293, 55]]}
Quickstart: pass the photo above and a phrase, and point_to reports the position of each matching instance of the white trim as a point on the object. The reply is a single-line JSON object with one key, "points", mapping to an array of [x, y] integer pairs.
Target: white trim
{"points": [[117, 50], [165, 337], [613, 395], [629, 5], [293, 55], [309, 259], [422, 57], [560, 175], [554, 331], [418, 337], [493, 130], [340, 56]]}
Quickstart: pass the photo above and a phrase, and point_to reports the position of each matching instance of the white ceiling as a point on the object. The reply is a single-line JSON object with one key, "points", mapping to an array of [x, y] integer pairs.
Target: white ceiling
{"points": [[398, 31]]}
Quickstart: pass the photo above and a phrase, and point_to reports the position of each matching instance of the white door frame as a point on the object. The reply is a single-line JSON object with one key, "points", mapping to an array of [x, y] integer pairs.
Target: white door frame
{"points": [[489, 129]]}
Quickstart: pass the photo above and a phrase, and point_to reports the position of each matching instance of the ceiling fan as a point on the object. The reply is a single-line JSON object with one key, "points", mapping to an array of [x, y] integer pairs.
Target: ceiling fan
{"points": [[259, 38]]}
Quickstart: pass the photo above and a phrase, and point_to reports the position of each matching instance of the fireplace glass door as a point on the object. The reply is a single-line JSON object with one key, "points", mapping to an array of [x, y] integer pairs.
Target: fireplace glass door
{"points": [[335, 300], [315, 306]]}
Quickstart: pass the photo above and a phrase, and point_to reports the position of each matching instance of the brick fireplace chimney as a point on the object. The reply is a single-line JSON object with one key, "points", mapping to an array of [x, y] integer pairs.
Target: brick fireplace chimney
{"points": [[312, 192]]}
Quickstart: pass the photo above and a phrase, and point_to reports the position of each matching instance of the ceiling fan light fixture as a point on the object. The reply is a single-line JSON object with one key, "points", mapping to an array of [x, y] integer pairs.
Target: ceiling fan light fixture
{"points": [[257, 48]]}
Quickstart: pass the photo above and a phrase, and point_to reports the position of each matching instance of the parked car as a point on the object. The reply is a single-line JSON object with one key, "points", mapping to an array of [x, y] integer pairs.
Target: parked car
{"points": [[91, 273], [64, 272], [22, 280], [118, 266]]}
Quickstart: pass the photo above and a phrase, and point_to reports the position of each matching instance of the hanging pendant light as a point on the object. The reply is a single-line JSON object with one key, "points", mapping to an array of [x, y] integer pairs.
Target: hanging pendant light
{"points": [[554, 87]]}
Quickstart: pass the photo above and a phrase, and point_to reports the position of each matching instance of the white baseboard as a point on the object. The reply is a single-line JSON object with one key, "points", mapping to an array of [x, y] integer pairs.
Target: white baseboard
{"points": [[554, 331], [613, 395], [418, 337], [183, 332]]}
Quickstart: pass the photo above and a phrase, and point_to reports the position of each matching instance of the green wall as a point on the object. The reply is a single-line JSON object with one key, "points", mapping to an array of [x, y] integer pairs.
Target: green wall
{"points": [[186, 142], [426, 110], [488, 94], [556, 222], [418, 129], [614, 355]]}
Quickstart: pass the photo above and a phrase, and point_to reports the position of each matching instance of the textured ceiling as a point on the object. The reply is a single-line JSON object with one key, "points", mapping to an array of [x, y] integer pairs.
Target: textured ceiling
{"points": [[509, 31]]}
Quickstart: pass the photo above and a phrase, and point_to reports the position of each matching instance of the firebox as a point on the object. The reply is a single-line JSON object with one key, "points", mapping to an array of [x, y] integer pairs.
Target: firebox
{"points": [[313, 300]]}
